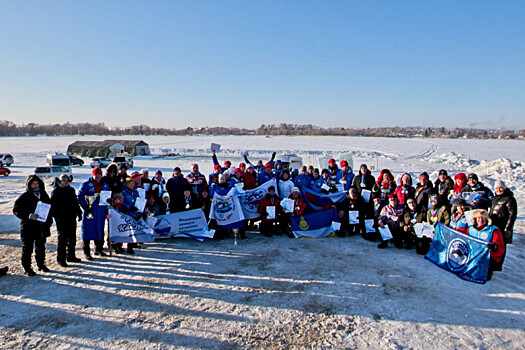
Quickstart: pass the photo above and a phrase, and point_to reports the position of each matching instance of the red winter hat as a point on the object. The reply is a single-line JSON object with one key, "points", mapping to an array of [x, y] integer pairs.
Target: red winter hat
{"points": [[268, 165], [344, 163], [392, 196], [217, 167], [331, 161], [135, 175], [96, 171], [242, 165], [237, 170], [227, 164]]}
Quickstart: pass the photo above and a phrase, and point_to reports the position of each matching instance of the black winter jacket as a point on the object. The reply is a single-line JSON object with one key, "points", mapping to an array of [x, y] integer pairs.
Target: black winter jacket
{"points": [[25, 205], [64, 207], [370, 181], [503, 211]]}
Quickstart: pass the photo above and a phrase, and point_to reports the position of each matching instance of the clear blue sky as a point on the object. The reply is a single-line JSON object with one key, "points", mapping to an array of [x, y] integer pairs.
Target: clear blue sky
{"points": [[246, 63]]}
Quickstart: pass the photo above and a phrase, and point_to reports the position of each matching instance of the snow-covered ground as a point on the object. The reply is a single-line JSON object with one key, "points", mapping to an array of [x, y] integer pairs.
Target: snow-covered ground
{"points": [[266, 292]]}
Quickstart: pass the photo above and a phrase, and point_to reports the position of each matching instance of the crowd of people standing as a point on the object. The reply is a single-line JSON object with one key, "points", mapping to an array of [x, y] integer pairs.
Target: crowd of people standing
{"points": [[396, 204]]}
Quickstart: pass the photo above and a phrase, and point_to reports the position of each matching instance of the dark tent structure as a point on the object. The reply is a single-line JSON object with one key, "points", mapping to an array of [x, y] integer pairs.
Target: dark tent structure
{"points": [[108, 148]]}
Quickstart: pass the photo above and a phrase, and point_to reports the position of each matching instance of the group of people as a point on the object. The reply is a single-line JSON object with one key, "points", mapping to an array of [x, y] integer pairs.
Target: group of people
{"points": [[396, 205]]}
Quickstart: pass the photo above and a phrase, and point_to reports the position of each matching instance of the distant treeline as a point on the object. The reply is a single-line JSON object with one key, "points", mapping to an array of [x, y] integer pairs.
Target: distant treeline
{"points": [[8, 128]]}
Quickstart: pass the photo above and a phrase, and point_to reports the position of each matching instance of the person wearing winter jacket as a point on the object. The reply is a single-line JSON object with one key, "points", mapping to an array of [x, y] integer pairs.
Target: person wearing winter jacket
{"points": [[112, 179], [484, 194], [175, 186], [391, 216], [299, 206], [266, 175], [458, 220], [324, 184], [65, 210], [352, 203], [196, 180], [412, 215], [302, 180], [364, 180], [424, 191], [277, 169], [385, 186], [227, 163], [158, 189], [33, 231], [259, 168], [460, 182], [93, 227], [442, 187], [334, 173], [188, 201], [249, 178], [504, 210], [405, 190], [285, 185], [205, 203], [346, 176], [437, 213], [269, 225], [483, 229]]}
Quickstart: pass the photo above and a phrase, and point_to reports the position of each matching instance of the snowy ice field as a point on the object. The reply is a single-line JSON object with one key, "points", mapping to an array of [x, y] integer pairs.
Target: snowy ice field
{"points": [[186, 294]]}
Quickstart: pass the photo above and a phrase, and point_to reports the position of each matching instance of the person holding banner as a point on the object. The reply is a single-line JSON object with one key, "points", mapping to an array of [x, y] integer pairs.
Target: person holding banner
{"points": [[435, 214], [482, 228], [270, 211], [413, 214], [391, 216], [34, 228], [94, 213], [65, 209]]}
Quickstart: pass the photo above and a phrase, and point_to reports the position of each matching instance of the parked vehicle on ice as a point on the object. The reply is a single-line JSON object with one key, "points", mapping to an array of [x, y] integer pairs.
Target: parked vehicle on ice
{"points": [[290, 161], [76, 161], [53, 171], [5, 171], [6, 159], [58, 159], [124, 159], [100, 162]]}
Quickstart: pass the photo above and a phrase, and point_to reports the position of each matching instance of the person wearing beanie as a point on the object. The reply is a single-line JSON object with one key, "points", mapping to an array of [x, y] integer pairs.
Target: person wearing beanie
{"points": [[334, 173], [65, 210], [302, 180], [424, 191], [364, 180], [435, 214], [188, 200], [93, 227], [33, 231], [158, 188], [123, 173], [214, 176], [227, 163], [483, 229], [346, 176], [324, 183], [412, 215], [265, 176], [249, 178], [442, 188], [504, 210], [391, 216], [477, 194], [352, 203], [278, 168]]}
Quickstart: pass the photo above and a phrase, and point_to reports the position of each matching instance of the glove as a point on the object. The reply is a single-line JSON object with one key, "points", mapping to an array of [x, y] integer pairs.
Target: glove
{"points": [[273, 154], [79, 217], [33, 216], [492, 246]]}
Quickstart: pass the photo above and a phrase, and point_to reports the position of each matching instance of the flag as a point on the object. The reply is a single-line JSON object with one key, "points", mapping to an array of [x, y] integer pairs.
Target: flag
{"points": [[314, 225], [227, 211], [191, 223], [124, 229], [250, 199], [318, 201], [461, 254]]}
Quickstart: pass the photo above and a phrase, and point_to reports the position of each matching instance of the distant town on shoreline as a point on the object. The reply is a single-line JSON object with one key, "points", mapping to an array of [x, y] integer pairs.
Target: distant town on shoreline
{"points": [[8, 128]]}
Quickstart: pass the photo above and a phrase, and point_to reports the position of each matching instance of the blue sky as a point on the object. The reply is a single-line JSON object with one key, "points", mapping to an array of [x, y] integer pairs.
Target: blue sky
{"points": [[247, 63]]}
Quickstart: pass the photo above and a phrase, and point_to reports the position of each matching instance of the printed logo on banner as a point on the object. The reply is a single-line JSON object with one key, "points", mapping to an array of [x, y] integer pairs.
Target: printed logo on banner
{"points": [[130, 225], [224, 209], [457, 255]]}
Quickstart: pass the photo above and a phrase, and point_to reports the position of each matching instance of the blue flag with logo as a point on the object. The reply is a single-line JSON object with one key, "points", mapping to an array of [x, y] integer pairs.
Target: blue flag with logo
{"points": [[315, 225], [463, 255]]}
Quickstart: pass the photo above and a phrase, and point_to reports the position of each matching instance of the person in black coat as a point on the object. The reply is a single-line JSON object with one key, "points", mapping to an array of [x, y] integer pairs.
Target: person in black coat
{"points": [[112, 179], [175, 186], [65, 210], [352, 202], [504, 210], [32, 231], [365, 179], [424, 191], [188, 200], [442, 188]]}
